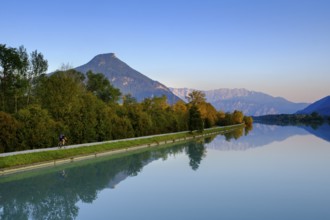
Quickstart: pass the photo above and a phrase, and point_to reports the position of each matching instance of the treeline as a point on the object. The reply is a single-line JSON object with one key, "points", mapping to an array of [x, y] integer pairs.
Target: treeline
{"points": [[313, 119], [35, 107]]}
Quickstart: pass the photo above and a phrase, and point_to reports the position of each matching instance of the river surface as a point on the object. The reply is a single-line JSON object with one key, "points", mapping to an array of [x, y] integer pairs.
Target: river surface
{"points": [[272, 172]]}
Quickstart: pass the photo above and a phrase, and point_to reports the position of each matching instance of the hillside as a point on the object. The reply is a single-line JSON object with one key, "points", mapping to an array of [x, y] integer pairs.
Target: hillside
{"points": [[249, 102], [128, 80], [321, 106]]}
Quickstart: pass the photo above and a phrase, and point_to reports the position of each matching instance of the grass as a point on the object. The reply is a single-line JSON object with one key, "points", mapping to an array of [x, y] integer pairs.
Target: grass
{"points": [[46, 156]]}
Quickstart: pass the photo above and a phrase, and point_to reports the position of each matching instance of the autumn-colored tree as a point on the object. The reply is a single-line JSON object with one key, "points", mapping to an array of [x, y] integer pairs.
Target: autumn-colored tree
{"points": [[180, 111]]}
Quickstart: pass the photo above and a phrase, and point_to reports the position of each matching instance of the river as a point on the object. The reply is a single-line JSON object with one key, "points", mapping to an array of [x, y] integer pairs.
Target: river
{"points": [[270, 172]]}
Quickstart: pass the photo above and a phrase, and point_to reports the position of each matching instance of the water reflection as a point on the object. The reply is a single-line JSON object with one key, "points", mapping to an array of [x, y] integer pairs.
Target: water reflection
{"points": [[54, 195], [196, 152], [265, 134], [321, 131], [260, 135]]}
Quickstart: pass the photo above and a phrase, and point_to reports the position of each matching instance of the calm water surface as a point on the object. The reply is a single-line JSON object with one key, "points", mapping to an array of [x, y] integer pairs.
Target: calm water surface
{"points": [[271, 173]]}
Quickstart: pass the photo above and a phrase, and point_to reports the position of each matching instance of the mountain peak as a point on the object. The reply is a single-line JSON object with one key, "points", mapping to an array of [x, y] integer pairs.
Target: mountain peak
{"points": [[125, 78], [105, 55]]}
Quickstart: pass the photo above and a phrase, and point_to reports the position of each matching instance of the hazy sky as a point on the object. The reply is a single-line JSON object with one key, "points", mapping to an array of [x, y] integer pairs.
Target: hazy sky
{"points": [[280, 47]]}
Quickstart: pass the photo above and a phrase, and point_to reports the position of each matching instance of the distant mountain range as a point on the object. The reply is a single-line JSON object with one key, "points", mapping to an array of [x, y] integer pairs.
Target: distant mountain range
{"points": [[249, 102], [321, 106], [125, 78], [130, 81]]}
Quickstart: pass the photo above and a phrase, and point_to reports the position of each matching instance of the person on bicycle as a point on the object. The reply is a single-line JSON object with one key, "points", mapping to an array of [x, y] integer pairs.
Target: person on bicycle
{"points": [[62, 140]]}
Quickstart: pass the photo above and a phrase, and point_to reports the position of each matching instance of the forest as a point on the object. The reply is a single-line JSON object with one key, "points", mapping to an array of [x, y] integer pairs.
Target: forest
{"points": [[36, 107]]}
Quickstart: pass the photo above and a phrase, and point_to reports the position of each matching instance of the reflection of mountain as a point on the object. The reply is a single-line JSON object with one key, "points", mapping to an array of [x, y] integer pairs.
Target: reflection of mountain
{"points": [[121, 176], [54, 195], [322, 131], [260, 135]]}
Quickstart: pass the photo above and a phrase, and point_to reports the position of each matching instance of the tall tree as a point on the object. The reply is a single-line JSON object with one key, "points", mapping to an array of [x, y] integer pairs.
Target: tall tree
{"points": [[11, 63], [195, 119], [39, 66]]}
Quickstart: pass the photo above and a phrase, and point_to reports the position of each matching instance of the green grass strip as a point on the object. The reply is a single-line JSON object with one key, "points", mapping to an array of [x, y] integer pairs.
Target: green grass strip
{"points": [[46, 156]]}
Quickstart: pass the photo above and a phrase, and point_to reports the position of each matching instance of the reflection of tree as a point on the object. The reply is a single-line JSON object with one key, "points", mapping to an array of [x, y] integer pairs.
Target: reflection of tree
{"points": [[209, 139], [247, 129], [237, 133], [54, 195], [135, 164], [196, 152]]}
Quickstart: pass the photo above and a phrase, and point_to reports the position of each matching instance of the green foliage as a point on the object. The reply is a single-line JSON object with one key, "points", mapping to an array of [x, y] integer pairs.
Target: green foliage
{"points": [[10, 77], [100, 86], [38, 129], [18, 76], [195, 119], [60, 93], [8, 130]]}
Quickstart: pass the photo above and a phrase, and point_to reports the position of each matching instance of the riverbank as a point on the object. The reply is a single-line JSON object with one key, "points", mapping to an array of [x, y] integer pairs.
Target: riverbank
{"points": [[33, 159]]}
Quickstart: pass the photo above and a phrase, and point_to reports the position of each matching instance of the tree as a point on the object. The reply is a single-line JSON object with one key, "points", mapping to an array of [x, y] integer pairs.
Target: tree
{"points": [[196, 97], [129, 100], [208, 114], [195, 120], [237, 117], [38, 128], [39, 66], [11, 64], [60, 93], [248, 121], [100, 86], [180, 111], [8, 130]]}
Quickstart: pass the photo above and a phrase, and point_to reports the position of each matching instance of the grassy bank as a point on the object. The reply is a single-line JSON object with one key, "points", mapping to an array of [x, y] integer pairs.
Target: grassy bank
{"points": [[46, 156]]}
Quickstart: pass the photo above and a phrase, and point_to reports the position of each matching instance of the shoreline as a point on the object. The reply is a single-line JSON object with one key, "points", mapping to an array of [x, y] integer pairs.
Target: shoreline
{"points": [[150, 142]]}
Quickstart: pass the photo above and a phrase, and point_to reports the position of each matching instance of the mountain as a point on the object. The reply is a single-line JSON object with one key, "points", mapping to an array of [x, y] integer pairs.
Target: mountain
{"points": [[125, 78], [249, 102], [321, 106]]}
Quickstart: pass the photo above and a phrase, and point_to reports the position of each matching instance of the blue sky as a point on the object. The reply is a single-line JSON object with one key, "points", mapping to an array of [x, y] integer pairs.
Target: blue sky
{"points": [[280, 47]]}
